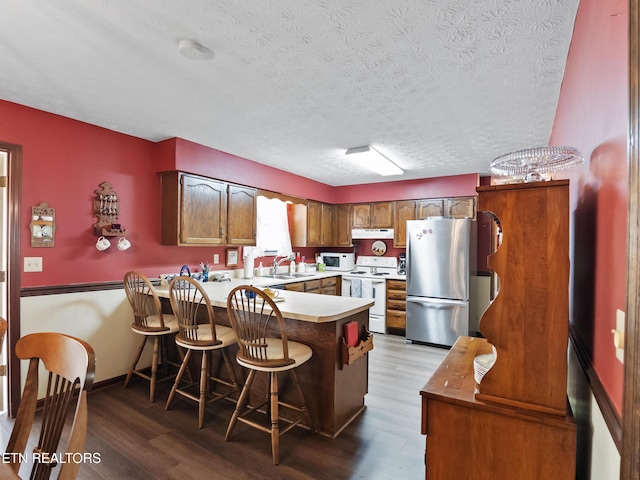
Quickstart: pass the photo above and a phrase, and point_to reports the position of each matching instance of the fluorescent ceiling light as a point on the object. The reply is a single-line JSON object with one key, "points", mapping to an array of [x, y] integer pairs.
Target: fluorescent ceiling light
{"points": [[374, 160]]}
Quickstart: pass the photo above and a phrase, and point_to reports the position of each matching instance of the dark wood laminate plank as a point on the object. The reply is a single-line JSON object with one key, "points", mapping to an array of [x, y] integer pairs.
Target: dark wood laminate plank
{"points": [[141, 440]]}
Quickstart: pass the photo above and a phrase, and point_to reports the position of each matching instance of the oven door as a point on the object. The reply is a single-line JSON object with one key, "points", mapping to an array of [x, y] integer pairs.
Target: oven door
{"points": [[378, 289]]}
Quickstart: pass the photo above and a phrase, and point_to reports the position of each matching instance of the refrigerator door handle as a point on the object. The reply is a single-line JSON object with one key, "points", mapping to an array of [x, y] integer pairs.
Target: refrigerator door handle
{"points": [[436, 301]]}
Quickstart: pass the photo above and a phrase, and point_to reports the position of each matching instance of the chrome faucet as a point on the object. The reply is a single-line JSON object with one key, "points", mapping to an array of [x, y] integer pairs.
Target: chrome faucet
{"points": [[276, 263]]}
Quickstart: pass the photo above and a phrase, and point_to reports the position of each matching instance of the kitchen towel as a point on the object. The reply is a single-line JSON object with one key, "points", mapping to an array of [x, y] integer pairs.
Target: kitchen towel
{"points": [[356, 287], [366, 288]]}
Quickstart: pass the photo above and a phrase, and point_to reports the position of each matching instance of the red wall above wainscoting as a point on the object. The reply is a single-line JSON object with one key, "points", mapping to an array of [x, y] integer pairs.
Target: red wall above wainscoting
{"points": [[64, 162], [179, 154], [592, 115], [454, 186]]}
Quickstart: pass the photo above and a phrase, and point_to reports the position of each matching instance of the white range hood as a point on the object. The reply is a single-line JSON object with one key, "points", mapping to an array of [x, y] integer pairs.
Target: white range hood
{"points": [[360, 233]]}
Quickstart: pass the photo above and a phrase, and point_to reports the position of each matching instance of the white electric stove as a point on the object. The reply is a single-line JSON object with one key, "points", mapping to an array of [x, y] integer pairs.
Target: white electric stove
{"points": [[368, 281]]}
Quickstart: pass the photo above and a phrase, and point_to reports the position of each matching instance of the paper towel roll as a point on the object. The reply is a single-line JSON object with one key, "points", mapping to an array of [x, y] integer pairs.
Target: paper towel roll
{"points": [[249, 255]]}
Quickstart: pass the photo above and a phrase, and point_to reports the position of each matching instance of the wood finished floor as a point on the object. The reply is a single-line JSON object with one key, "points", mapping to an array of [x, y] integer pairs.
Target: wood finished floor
{"points": [[140, 440]]}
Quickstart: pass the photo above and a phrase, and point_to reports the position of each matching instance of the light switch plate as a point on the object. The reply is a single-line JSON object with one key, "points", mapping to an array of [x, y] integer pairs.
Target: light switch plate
{"points": [[216, 258], [620, 321], [32, 264]]}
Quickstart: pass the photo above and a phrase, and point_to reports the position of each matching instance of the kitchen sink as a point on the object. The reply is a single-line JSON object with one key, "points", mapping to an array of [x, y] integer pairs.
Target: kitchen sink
{"points": [[291, 276], [279, 277]]}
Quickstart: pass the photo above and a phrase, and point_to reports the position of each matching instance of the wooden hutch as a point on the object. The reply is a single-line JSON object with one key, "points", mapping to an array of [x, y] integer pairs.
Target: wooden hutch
{"points": [[516, 424]]}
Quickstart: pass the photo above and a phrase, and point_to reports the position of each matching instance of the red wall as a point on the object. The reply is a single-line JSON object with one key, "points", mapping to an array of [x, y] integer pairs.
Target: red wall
{"points": [[64, 162], [592, 115], [462, 185]]}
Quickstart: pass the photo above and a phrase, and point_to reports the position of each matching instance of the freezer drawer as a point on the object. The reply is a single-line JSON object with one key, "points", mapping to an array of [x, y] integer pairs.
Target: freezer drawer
{"points": [[436, 321]]}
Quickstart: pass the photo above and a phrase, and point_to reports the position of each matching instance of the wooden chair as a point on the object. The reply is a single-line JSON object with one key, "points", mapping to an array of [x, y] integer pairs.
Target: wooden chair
{"points": [[150, 322], [200, 334], [70, 363], [264, 347]]}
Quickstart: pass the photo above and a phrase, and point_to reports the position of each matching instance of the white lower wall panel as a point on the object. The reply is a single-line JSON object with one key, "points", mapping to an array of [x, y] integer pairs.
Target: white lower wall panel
{"points": [[102, 318]]}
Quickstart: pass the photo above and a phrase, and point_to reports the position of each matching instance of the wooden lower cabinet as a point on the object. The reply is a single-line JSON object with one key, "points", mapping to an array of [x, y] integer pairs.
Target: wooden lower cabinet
{"points": [[294, 286], [330, 286], [396, 305], [312, 286], [471, 439], [325, 286]]}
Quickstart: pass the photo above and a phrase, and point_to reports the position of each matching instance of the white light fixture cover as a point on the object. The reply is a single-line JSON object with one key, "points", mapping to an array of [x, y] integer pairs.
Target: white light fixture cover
{"points": [[374, 160]]}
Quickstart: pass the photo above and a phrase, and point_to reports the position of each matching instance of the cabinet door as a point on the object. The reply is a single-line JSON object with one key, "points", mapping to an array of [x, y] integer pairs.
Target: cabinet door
{"points": [[382, 215], [461, 207], [241, 215], [295, 286], [326, 228], [342, 225], [312, 286], [405, 210], [361, 215], [433, 207], [202, 210], [314, 223]]}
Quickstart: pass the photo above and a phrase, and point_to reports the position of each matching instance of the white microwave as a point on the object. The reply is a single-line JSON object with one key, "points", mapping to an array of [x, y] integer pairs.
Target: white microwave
{"points": [[344, 262]]}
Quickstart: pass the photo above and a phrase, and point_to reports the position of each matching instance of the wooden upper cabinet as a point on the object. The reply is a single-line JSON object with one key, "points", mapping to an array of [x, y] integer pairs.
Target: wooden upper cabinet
{"points": [[463, 207], [193, 210], [382, 215], [321, 224], [241, 215], [432, 207], [342, 225], [361, 215], [404, 210], [372, 215], [326, 221], [314, 223]]}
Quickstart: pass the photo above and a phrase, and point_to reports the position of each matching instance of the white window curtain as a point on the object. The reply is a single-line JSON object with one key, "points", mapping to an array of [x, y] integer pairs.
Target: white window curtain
{"points": [[272, 232]]}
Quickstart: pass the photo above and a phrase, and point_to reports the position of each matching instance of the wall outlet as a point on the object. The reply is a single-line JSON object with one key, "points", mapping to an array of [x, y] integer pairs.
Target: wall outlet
{"points": [[216, 258], [32, 264]]}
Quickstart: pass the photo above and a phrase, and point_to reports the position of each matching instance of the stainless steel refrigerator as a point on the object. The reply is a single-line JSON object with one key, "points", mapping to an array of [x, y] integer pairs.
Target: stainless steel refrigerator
{"points": [[438, 259]]}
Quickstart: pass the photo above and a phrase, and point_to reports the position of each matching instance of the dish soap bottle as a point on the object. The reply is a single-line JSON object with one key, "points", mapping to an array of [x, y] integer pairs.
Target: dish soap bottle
{"points": [[260, 270], [292, 267]]}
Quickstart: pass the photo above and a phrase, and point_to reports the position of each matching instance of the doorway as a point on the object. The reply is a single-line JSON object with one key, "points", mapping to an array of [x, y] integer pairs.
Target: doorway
{"points": [[4, 161], [10, 192]]}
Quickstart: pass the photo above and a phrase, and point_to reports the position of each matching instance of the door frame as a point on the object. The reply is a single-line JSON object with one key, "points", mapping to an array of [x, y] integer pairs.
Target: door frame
{"points": [[13, 277], [630, 458]]}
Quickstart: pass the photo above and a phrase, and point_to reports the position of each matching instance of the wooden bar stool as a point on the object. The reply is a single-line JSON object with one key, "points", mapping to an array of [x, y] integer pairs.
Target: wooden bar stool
{"points": [[202, 335], [263, 347], [150, 322]]}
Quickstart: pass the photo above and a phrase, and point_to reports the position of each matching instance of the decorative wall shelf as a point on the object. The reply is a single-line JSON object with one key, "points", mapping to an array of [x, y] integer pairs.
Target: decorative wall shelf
{"points": [[43, 226], [106, 207]]}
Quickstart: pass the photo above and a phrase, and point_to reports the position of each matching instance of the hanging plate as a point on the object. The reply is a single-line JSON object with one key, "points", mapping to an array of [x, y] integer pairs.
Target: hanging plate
{"points": [[379, 248]]}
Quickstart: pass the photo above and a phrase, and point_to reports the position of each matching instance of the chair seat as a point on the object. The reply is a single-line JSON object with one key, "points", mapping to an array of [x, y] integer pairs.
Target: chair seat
{"points": [[224, 334], [299, 352], [170, 321]]}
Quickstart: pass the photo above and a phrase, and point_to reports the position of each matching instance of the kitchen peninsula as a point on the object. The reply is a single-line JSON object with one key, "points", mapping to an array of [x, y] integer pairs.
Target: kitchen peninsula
{"points": [[334, 391]]}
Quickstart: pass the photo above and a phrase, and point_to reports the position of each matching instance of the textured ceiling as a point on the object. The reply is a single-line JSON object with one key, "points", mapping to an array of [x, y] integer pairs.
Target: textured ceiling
{"points": [[442, 86]]}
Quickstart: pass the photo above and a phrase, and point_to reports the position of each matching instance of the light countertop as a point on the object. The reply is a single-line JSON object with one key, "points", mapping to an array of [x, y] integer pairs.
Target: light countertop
{"points": [[309, 307]]}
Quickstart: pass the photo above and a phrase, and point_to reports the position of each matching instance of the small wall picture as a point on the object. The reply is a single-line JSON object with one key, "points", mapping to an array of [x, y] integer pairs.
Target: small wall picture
{"points": [[232, 257]]}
